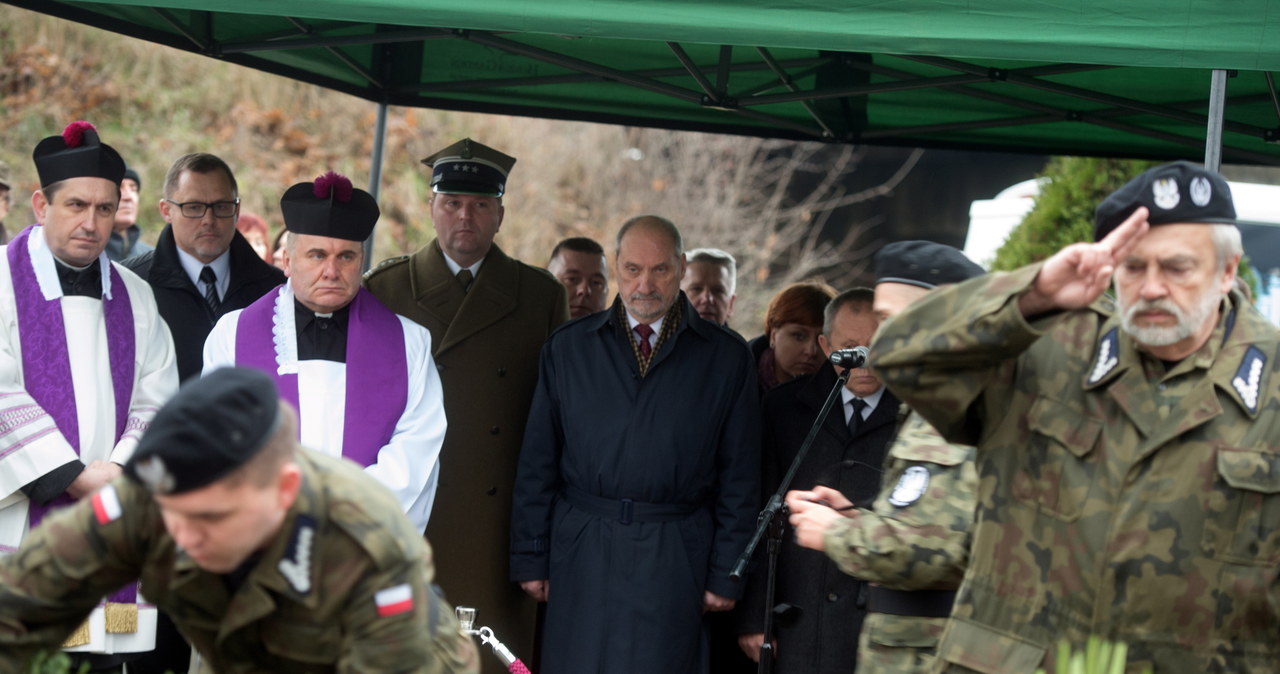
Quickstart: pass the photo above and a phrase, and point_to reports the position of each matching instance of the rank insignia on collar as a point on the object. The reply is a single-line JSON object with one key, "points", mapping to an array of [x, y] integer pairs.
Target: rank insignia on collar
{"points": [[1248, 379], [911, 486], [1107, 357], [296, 564]]}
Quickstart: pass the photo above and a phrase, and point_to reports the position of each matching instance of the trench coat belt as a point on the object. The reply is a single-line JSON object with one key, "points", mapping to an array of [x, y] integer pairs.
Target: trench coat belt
{"points": [[918, 603], [626, 511]]}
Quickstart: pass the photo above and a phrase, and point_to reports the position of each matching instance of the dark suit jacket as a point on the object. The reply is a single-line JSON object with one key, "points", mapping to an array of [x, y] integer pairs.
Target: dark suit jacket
{"points": [[486, 343], [182, 305], [823, 637]]}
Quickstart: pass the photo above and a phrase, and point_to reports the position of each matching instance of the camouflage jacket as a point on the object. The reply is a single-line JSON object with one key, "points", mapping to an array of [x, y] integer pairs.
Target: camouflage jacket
{"points": [[1115, 497], [914, 537], [345, 587]]}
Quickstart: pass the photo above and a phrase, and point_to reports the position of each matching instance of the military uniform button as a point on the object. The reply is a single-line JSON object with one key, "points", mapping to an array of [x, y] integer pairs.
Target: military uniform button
{"points": [[494, 431], [831, 596], [492, 491]]}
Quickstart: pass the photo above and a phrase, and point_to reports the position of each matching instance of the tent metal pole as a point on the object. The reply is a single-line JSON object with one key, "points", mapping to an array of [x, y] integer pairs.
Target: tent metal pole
{"points": [[1213, 135], [375, 173]]}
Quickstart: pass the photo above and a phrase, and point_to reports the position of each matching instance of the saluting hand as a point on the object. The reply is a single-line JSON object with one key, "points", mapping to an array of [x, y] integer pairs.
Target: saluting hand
{"points": [[1078, 274]]}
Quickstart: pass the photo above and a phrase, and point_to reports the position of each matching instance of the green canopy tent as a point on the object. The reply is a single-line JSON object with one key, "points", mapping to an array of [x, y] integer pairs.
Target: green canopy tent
{"points": [[1096, 77]]}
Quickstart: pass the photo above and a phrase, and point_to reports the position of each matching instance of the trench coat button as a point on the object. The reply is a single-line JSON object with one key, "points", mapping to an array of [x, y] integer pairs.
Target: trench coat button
{"points": [[831, 596], [502, 372], [494, 430], [492, 491]]}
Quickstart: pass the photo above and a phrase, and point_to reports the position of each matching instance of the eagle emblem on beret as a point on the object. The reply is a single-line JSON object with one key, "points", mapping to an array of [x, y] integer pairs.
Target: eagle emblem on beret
{"points": [[153, 473], [1165, 193]]}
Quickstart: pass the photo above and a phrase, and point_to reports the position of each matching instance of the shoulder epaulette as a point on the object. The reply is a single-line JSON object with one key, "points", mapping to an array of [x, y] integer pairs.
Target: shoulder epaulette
{"points": [[385, 265]]}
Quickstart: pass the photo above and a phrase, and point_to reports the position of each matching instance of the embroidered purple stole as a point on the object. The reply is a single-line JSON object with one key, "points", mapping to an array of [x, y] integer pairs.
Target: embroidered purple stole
{"points": [[46, 365], [377, 373]]}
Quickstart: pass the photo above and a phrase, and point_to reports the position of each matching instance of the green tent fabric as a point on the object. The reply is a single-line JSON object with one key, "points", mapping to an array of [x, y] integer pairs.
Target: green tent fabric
{"points": [[1127, 78]]}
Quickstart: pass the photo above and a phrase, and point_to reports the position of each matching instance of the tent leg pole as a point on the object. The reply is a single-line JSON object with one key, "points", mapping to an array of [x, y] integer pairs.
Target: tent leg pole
{"points": [[1213, 135], [375, 173]]}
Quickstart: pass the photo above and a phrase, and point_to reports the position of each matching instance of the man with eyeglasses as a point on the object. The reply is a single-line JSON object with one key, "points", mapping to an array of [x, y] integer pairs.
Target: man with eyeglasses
{"points": [[85, 362], [201, 268]]}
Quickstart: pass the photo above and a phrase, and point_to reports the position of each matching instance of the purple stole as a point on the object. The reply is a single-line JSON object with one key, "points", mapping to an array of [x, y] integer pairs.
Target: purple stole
{"points": [[377, 372], [46, 365]]}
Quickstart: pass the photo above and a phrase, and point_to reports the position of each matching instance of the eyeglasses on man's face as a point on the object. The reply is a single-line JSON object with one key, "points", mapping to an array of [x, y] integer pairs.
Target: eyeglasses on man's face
{"points": [[196, 209]]}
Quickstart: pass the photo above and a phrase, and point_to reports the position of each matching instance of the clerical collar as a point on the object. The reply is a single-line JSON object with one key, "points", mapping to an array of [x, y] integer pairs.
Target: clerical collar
{"points": [[321, 336], [82, 281], [221, 268], [454, 267], [871, 400]]}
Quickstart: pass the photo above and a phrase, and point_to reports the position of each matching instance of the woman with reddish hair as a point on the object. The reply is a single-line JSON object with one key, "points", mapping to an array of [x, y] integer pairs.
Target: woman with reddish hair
{"points": [[789, 345], [254, 229]]}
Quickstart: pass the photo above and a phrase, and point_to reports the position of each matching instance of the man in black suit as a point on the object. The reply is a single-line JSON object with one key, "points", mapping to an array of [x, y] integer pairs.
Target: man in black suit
{"points": [[202, 267], [816, 635]]}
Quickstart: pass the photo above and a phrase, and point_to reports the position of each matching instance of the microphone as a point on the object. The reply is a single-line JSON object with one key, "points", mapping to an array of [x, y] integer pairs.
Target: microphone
{"points": [[849, 358]]}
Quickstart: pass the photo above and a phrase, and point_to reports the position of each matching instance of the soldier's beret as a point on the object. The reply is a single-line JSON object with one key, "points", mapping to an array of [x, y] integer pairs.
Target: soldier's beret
{"points": [[923, 263], [77, 153], [213, 425], [330, 207], [468, 167], [1177, 193]]}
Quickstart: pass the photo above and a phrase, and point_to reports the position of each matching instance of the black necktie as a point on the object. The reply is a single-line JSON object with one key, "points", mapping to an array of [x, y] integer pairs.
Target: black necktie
{"points": [[465, 277], [855, 419], [210, 281]]}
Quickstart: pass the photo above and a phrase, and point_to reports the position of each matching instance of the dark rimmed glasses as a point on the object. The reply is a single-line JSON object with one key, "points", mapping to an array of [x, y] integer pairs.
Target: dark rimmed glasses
{"points": [[196, 209]]}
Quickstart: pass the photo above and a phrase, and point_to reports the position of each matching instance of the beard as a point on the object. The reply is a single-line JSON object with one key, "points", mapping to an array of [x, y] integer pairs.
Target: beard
{"points": [[1186, 322]]}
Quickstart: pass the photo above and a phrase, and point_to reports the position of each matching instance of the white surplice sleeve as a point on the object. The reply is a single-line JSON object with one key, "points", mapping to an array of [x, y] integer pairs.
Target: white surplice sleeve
{"points": [[220, 345], [409, 465], [155, 365]]}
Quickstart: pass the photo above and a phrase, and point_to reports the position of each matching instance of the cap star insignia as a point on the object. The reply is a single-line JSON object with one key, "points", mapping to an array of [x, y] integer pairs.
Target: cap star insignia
{"points": [[296, 565], [154, 475], [1248, 379]]}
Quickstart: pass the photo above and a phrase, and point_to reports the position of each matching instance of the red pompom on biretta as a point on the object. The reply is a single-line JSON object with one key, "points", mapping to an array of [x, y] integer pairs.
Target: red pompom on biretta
{"points": [[73, 135], [335, 184]]}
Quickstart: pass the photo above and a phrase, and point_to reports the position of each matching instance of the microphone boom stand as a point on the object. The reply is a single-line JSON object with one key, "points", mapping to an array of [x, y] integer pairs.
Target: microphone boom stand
{"points": [[773, 521]]}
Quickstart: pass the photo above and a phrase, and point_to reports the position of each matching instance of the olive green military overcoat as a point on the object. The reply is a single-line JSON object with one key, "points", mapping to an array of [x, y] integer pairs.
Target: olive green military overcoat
{"points": [[486, 343]]}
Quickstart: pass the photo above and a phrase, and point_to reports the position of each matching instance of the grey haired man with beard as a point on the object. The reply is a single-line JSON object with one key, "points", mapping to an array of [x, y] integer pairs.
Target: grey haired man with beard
{"points": [[1130, 469]]}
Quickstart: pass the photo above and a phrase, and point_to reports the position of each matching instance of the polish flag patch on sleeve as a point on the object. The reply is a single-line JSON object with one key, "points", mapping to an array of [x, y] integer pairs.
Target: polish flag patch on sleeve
{"points": [[106, 505], [394, 600]]}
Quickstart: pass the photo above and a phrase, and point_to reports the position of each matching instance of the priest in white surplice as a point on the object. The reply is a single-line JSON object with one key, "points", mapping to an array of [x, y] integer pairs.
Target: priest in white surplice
{"points": [[85, 362], [361, 377]]}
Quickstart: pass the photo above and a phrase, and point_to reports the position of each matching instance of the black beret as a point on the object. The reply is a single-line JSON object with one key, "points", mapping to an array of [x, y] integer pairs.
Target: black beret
{"points": [[213, 425], [468, 167], [77, 153], [1177, 193], [330, 207], [130, 174], [923, 263]]}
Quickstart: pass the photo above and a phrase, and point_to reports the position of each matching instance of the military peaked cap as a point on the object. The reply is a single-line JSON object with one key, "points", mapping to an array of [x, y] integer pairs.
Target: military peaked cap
{"points": [[468, 167]]}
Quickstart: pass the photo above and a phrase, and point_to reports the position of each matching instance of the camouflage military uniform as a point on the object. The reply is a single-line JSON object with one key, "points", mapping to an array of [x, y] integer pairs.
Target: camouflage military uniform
{"points": [[344, 588], [915, 537], [1116, 498]]}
